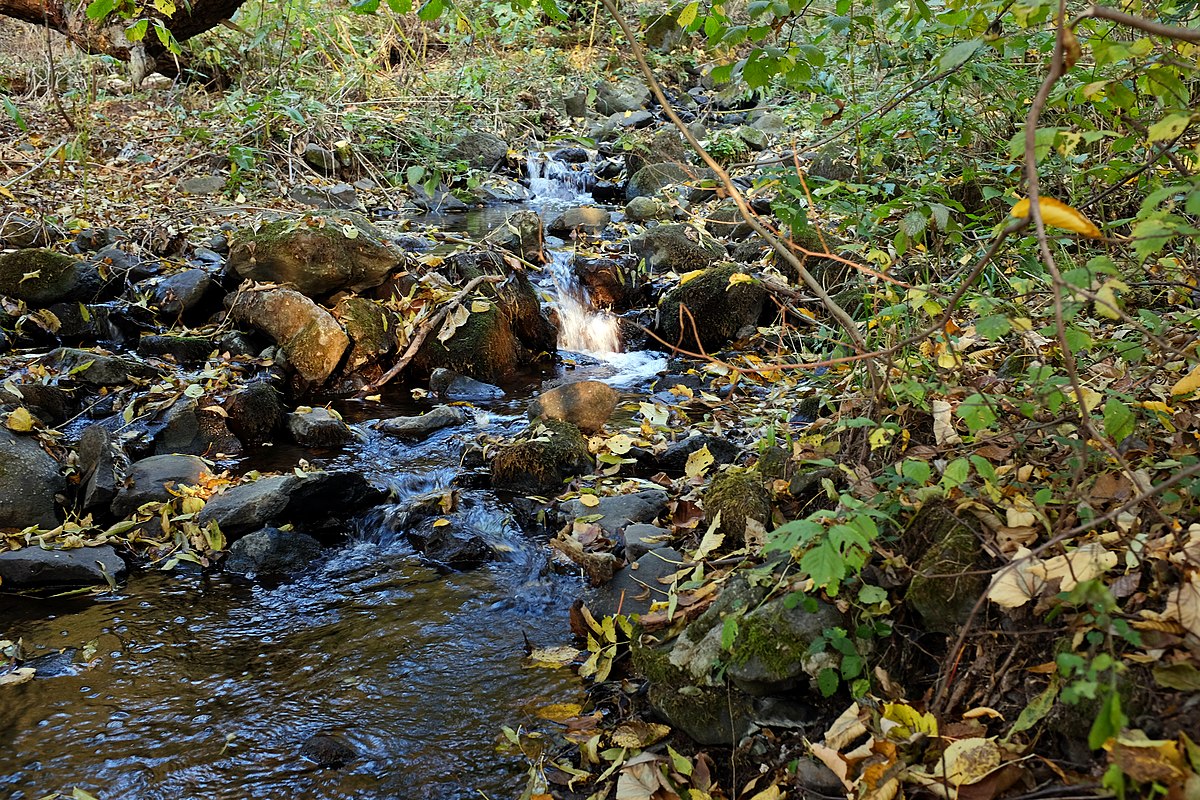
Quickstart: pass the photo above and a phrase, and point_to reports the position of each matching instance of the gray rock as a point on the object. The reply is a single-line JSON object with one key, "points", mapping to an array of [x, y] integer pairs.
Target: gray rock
{"points": [[769, 122], [97, 468], [250, 506], [772, 648], [620, 510], [818, 778], [203, 185], [504, 190], [629, 120], [575, 105], [637, 586], [97, 369], [449, 385], [308, 334], [480, 150], [521, 234], [617, 97], [150, 479], [272, 552], [186, 350], [40, 277], [312, 501], [727, 221], [425, 425], [677, 247], [641, 538], [179, 293], [23, 232], [585, 404], [674, 458], [341, 196], [318, 427], [29, 481], [832, 164], [652, 179], [315, 254], [442, 201], [320, 158], [642, 209], [455, 545], [717, 312], [755, 138], [588, 218], [32, 567], [184, 429]]}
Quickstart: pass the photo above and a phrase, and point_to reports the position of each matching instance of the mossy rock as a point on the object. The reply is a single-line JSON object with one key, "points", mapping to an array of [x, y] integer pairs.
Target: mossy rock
{"points": [[738, 496], [39, 277], [677, 247], [943, 548], [484, 347], [772, 650], [371, 327], [550, 453], [652, 179], [720, 310], [665, 146]]}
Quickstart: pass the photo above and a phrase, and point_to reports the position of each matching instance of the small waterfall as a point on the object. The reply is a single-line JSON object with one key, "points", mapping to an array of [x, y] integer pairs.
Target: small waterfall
{"points": [[581, 328], [550, 179]]}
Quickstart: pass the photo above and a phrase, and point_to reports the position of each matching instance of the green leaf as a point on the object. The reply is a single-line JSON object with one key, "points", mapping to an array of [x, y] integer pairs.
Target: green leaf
{"points": [[1078, 340], [97, 10], [364, 6], [430, 10], [400, 6], [871, 595], [551, 10], [913, 224], [976, 412], [1119, 420], [827, 681], [729, 632], [688, 15], [137, 31], [1037, 709], [824, 564], [958, 55], [916, 471], [1108, 723], [1151, 236], [956, 473], [1168, 127], [994, 327]]}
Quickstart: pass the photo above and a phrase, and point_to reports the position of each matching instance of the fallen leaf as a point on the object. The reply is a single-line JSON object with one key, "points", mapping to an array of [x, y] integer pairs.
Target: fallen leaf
{"points": [[589, 500], [698, 463], [1187, 384], [944, 432], [552, 657], [711, 540], [19, 675], [1082, 564], [559, 712], [969, 760], [19, 420], [1059, 215], [1183, 604], [637, 733], [1015, 585]]}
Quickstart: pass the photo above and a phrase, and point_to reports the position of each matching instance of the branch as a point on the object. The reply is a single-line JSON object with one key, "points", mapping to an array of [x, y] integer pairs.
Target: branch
{"points": [[1143, 24]]}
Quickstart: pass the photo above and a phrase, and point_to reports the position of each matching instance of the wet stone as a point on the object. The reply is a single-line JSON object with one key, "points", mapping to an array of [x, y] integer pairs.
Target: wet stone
{"points": [[32, 567], [424, 425], [327, 751]]}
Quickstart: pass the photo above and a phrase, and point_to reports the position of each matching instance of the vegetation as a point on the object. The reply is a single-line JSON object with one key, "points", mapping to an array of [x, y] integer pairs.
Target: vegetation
{"points": [[988, 211]]}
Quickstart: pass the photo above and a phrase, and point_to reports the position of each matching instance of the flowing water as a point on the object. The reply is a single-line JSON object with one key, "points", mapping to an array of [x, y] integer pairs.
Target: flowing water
{"points": [[205, 687]]}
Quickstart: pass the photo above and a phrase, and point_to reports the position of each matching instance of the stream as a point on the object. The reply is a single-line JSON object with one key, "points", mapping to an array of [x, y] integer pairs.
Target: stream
{"points": [[192, 686]]}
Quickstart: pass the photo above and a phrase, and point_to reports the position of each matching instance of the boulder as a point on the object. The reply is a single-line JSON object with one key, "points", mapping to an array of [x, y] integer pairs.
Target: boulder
{"points": [[727, 222], [652, 179], [640, 538], [585, 404], [832, 164], [151, 479], [33, 567], [318, 427], [549, 453], [339, 197], [769, 122], [454, 545], [97, 468], [673, 461], [185, 350], [425, 425], [250, 506], [754, 138], [23, 232], [316, 254], [255, 412], [522, 235], [589, 219], [719, 311], [320, 158], [185, 429], [774, 649], [636, 586], [612, 283], [617, 511], [29, 483], [739, 497], [310, 337], [201, 185], [617, 97], [97, 369], [449, 385], [182, 292], [642, 209], [271, 551], [372, 328], [314, 502], [40, 277], [481, 150], [677, 248], [664, 146], [944, 551]]}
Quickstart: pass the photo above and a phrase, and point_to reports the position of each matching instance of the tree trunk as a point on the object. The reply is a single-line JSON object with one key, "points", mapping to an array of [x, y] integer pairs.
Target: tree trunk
{"points": [[68, 17]]}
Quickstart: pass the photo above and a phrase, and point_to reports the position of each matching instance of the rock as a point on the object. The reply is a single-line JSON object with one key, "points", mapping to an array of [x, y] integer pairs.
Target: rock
{"points": [[741, 500], [312, 502], [640, 538], [550, 453], [449, 385], [255, 412], [310, 337], [318, 427], [184, 429], [637, 586], [641, 209], [425, 425], [612, 283], [92, 239], [755, 138], [315, 254], [340, 196], [150, 481], [272, 552], [53, 277], [203, 185], [629, 120], [29, 483], [480, 150], [51, 404], [774, 647], [816, 777], [831, 164], [590, 219], [185, 350], [726, 221], [617, 97], [97, 469], [620, 510], [182, 292], [319, 158], [944, 551], [673, 461], [327, 751], [442, 201], [652, 179], [575, 105], [720, 311], [97, 369], [663, 33], [678, 248], [769, 122], [521, 234], [372, 328], [24, 232], [33, 567], [665, 146], [455, 545], [585, 404]]}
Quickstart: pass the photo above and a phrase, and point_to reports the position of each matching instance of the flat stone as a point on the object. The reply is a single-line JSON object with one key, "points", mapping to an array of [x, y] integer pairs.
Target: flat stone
{"points": [[318, 427], [250, 506], [425, 425], [637, 586], [29, 481], [620, 510], [150, 480], [203, 185], [641, 538], [31, 567], [97, 369]]}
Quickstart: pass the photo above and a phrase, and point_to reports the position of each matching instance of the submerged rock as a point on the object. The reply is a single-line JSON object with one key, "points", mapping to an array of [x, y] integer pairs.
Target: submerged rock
{"points": [[310, 337], [33, 567], [327, 751], [550, 453], [29, 483], [271, 551], [450, 546], [585, 404], [449, 385]]}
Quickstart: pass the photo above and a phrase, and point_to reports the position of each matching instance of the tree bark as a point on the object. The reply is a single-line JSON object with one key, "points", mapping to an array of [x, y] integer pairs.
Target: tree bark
{"points": [[68, 17]]}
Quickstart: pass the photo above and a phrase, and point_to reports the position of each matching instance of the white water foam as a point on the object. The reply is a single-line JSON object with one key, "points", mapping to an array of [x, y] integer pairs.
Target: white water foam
{"points": [[555, 180]]}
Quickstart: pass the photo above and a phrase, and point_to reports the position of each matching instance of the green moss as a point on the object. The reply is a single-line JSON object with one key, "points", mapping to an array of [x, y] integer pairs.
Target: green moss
{"points": [[719, 310], [737, 495], [483, 347], [941, 545], [539, 464], [38, 275], [371, 327]]}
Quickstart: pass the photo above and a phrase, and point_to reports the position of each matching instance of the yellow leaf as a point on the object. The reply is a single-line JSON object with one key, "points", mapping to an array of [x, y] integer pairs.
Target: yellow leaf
{"points": [[1059, 215], [480, 306], [688, 15], [943, 423], [687, 276], [552, 657], [20, 420], [557, 712], [620, 444], [712, 539], [1107, 304], [1183, 604], [1082, 564], [589, 500], [636, 733], [909, 721], [983, 711], [441, 522], [1187, 384], [949, 361], [739, 277], [967, 761], [698, 463]]}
